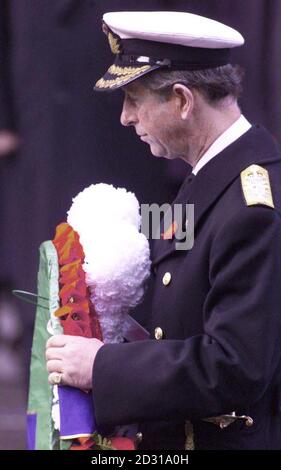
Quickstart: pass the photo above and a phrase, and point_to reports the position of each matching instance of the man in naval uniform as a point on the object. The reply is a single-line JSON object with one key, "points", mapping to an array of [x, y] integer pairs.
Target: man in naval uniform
{"points": [[210, 377]]}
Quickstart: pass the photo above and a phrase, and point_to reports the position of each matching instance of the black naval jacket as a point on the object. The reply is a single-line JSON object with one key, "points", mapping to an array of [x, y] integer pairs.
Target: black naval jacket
{"points": [[220, 315]]}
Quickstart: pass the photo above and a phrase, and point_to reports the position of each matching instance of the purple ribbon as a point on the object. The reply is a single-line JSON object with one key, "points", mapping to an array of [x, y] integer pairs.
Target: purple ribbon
{"points": [[76, 412]]}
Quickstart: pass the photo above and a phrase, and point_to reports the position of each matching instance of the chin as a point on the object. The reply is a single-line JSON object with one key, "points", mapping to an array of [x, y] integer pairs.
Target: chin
{"points": [[157, 152], [162, 155]]}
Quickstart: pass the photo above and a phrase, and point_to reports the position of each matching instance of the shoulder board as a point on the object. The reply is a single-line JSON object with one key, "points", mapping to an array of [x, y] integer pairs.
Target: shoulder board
{"points": [[256, 186]]}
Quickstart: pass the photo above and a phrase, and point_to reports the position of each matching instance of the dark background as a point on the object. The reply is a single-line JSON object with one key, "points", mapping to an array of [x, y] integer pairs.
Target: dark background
{"points": [[51, 54]]}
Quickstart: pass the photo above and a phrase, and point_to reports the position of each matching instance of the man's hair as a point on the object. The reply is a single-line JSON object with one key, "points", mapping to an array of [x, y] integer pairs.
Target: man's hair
{"points": [[214, 84]]}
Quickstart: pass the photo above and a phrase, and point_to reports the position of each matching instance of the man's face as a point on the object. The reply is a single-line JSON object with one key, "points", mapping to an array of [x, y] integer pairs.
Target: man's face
{"points": [[156, 121]]}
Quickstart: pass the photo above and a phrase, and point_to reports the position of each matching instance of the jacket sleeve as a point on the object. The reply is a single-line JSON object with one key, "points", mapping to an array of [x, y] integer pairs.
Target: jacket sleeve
{"points": [[231, 364], [7, 118]]}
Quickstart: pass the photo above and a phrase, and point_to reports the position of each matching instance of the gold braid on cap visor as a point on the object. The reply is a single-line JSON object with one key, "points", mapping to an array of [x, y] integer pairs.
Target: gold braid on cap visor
{"points": [[123, 74]]}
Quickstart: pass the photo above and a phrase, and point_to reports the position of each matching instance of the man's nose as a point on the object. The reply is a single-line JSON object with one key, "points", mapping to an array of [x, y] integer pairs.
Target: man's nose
{"points": [[128, 117]]}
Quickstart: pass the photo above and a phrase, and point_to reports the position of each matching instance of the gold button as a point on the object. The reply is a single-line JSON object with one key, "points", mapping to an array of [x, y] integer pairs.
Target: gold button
{"points": [[139, 437], [71, 300], [167, 279], [158, 333]]}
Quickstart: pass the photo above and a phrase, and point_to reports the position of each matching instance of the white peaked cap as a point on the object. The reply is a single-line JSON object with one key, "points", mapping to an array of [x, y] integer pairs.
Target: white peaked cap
{"points": [[145, 41], [173, 27]]}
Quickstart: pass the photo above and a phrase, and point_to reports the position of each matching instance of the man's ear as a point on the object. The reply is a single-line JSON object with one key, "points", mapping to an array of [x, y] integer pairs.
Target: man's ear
{"points": [[185, 99]]}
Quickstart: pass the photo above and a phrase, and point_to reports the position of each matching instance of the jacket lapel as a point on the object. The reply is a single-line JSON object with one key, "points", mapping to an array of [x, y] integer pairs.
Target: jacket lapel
{"points": [[164, 247], [255, 146]]}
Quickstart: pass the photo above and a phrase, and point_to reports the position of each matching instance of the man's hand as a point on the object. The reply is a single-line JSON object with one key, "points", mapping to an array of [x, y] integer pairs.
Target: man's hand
{"points": [[73, 356]]}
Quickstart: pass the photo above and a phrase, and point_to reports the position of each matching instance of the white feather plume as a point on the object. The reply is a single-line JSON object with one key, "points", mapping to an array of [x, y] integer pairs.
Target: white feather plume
{"points": [[117, 261]]}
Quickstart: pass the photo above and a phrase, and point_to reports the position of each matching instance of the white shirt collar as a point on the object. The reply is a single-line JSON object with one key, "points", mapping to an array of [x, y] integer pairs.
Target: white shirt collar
{"points": [[231, 134]]}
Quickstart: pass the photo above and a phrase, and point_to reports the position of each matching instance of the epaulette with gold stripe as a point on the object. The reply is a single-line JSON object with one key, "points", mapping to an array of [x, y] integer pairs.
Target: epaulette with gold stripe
{"points": [[256, 186]]}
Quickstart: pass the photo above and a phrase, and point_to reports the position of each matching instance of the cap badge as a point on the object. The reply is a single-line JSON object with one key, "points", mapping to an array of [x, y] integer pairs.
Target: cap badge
{"points": [[113, 39], [114, 44]]}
